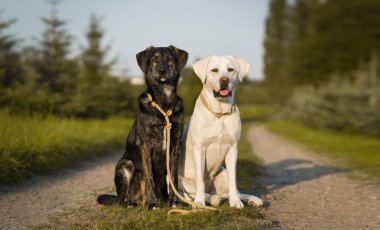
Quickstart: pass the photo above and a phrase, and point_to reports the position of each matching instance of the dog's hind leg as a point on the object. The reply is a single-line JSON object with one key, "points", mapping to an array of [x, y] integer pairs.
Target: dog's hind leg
{"points": [[124, 173]]}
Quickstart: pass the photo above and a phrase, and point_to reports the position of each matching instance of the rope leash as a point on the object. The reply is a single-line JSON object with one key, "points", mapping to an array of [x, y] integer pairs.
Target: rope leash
{"points": [[168, 127]]}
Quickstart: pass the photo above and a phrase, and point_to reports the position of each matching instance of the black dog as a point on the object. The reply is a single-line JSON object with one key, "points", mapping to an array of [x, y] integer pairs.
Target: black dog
{"points": [[140, 175]]}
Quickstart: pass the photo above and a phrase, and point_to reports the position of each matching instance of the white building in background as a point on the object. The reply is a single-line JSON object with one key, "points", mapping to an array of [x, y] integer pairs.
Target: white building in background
{"points": [[136, 80]]}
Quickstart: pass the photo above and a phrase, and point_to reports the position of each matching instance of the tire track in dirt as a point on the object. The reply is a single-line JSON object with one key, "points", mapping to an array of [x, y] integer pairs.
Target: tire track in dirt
{"points": [[308, 192]]}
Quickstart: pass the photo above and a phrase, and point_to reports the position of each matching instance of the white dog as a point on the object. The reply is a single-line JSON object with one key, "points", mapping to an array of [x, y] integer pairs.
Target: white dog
{"points": [[212, 136]]}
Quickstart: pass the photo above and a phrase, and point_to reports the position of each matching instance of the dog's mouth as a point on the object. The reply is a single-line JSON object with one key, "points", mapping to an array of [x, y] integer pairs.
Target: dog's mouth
{"points": [[223, 92], [162, 78]]}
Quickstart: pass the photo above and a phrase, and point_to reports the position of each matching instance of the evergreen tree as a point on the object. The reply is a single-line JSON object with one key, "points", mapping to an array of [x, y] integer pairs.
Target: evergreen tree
{"points": [[275, 40], [93, 65], [98, 94], [342, 33], [53, 64], [10, 66], [301, 18]]}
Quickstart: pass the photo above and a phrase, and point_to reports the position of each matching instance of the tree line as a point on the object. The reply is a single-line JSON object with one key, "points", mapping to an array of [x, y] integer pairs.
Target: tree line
{"points": [[43, 79], [307, 41], [321, 62]]}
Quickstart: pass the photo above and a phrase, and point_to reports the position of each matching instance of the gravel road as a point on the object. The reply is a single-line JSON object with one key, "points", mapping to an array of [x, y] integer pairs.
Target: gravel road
{"points": [[308, 192], [31, 203]]}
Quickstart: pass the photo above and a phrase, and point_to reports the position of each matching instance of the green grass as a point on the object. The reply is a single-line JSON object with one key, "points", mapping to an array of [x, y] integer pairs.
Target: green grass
{"points": [[355, 151], [249, 112], [115, 217], [36, 146]]}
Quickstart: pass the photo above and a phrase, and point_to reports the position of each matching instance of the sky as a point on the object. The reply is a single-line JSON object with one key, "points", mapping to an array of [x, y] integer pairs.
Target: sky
{"points": [[201, 27]]}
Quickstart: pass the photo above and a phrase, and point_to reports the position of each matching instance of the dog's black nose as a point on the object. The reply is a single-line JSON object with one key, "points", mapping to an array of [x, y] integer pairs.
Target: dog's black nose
{"points": [[224, 80], [162, 71]]}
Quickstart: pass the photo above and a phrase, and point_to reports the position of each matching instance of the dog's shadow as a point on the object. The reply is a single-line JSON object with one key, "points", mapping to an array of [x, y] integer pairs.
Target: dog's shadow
{"points": [[293, 171]]}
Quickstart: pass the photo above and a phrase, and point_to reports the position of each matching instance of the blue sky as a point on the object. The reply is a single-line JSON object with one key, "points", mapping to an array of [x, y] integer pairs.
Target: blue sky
{"points": [[203, 28]]}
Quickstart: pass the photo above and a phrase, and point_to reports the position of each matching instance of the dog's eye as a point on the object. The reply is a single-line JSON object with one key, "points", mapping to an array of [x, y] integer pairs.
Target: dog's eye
{"points": [[214, 70], [170, 61], [230, 69]]}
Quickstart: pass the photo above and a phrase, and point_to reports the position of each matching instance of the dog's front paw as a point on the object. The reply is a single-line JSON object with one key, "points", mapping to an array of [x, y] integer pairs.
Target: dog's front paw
{"points": [[129, 204], [174, 203], [153, 206], [236, 203], [255, 201], [200, 199]]}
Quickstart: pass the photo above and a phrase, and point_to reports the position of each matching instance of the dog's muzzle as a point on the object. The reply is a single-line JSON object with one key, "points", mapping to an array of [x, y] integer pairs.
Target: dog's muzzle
{"points": [[224, 89], [163, 74]]}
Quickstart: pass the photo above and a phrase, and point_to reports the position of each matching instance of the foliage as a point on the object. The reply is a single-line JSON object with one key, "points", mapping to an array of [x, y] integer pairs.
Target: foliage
{"points": [[346, 31], [10, 69], [349, 102], [92, 59], [275, 37], [44, 80], [355, 151], [35, 145], [51, 61], [189, 89], [307, 41]]}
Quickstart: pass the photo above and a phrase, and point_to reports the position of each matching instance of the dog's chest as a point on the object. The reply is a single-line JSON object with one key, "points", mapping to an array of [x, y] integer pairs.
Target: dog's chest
{"points": [[218, 127]]}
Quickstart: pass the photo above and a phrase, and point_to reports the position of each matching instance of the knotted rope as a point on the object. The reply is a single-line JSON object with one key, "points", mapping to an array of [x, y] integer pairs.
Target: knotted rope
{"points": [[168, 127]]}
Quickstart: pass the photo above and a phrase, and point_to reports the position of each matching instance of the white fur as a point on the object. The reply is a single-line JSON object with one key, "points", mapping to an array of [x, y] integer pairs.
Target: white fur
{"points": [[210, 140]]}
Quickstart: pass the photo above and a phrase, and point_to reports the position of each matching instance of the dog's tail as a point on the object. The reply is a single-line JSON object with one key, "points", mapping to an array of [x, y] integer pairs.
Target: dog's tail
{"points": [[107, 199]]}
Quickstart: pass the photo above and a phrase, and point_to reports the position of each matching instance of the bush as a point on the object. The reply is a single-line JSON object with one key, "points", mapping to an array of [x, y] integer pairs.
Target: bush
{"points": [[349, 104]]}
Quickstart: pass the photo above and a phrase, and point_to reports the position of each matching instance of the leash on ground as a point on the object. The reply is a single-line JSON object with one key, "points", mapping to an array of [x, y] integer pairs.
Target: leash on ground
{"points": [[196, 206]]}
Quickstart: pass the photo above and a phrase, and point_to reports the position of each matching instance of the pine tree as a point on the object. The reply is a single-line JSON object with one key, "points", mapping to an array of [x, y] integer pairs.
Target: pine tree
{"points": [[275, 40], [10, 68], [302, 13], [302, 20], [342, 33], [97, 93], [53, 65], [93, 65]]}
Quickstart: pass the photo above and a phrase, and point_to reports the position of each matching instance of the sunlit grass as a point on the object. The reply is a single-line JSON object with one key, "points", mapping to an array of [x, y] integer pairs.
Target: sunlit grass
{"points": [[35, 146], [356, 151]]}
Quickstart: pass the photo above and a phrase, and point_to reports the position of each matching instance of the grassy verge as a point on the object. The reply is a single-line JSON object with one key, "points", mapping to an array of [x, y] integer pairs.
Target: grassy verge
{"points": [[35, 146], [115, 217], [249, 112], [357, 152]]}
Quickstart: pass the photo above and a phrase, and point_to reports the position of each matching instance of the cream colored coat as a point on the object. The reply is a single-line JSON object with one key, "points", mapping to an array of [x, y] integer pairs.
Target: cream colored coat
{"points": [[210, 140]]}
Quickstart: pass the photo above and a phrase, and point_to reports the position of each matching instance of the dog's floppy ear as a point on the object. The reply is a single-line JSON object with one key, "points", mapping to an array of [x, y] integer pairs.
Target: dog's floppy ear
{"points": [[243, 67], [200, 68], [181, 56], [142, 58]]}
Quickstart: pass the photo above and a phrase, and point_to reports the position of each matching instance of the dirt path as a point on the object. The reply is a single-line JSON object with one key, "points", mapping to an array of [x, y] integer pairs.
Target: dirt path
{"points": [[31, 202], [309, 192]]}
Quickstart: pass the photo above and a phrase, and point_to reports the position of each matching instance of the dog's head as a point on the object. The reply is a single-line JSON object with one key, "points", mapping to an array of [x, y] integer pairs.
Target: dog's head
{"points": [[161, 65], [220, 73]]}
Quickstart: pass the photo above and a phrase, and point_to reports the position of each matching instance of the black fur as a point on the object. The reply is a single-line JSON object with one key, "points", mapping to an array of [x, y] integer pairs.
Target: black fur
{"points": [[140, 175]]}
